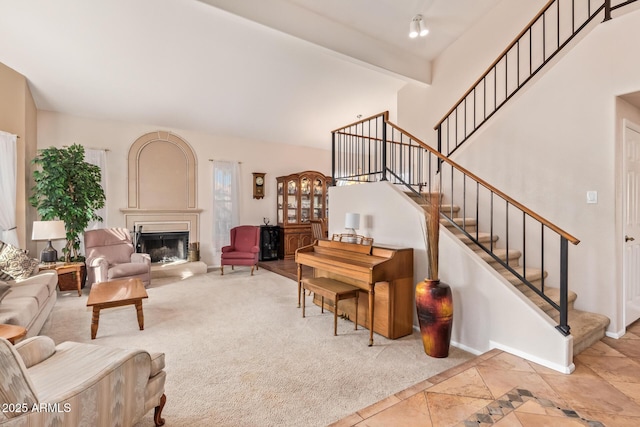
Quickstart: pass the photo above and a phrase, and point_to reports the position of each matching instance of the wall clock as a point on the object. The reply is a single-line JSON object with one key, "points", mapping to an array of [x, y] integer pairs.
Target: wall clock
{"points": [[258, 185]]}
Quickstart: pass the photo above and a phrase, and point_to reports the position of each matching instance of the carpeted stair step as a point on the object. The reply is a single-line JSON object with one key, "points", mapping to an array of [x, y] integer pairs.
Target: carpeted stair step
{"points": [[423, 197], [468, 224], [449, 210], [586, 328], [554, 295], [512, 255], [534, 276], [484, 238]]}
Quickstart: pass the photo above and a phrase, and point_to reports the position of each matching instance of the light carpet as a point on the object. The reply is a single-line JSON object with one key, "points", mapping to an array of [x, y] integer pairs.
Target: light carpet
{"points": [[239, 353]]}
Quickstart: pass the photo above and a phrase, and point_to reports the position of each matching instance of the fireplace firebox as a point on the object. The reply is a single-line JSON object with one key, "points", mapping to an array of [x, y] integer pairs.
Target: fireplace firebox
{"points": [[167, 246]]}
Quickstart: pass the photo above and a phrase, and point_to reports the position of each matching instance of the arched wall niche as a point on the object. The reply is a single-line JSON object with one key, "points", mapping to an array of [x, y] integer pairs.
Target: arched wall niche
{"points": [[162, 172], [162, 186]]}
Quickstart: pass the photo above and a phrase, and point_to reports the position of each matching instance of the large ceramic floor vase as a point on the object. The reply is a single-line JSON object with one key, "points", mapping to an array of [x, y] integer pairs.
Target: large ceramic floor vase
{"points": [[435, 315]]}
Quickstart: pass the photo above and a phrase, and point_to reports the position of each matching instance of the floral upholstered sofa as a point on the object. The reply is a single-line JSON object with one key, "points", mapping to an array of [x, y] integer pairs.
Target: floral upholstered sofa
{"points": [[75, 384]]}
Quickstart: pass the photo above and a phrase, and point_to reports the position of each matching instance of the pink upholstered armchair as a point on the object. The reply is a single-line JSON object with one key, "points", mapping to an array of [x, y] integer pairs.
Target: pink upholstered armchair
{"points": [[244, 248], [110, 256]]}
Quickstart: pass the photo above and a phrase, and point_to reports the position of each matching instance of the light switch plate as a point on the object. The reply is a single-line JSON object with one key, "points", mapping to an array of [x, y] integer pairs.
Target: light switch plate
{"points": [[592, 197]]}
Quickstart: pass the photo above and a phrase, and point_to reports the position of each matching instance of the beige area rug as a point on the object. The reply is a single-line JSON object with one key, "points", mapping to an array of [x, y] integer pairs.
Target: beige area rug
{"points": [[239, 353]]}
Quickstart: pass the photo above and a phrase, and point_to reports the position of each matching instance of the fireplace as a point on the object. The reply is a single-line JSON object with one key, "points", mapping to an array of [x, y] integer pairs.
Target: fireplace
{"points": [[166, 246], [161, 200]]}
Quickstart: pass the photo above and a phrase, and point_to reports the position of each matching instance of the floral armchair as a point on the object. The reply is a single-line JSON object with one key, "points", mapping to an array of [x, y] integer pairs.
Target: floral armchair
{"points": [[74, 384]]}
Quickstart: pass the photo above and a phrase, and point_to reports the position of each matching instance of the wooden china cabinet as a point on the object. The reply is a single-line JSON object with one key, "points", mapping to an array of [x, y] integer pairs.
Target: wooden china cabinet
{"points": [[301, 197]]}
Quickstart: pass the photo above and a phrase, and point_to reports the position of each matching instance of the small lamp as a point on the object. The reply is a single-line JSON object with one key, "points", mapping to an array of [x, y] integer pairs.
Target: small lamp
{"points": [[48, 230], [352, 222]]}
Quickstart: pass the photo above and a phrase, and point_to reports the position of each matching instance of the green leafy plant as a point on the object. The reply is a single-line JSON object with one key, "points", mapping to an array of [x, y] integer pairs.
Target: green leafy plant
{"points": [[67, 188]]}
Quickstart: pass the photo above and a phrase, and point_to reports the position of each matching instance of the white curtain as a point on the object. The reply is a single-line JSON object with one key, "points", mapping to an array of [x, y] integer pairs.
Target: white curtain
{"points": [[225, 196], [8, 170], [99, 158]]}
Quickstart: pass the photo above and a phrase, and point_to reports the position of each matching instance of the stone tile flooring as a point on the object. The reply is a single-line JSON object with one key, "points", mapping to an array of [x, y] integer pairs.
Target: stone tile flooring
{"points": [[502, 390]]}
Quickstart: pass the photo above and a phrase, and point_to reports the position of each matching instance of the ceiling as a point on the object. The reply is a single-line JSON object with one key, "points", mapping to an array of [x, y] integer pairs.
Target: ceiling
{"points": [[284, 71]]}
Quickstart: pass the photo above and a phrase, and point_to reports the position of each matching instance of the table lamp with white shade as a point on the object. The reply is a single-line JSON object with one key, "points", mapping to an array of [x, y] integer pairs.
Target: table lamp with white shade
{"points": [[352, 222], [48, 230]]}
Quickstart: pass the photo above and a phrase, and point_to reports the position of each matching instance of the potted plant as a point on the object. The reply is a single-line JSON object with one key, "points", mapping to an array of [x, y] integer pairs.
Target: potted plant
{"points": [[67, 188], [434, 302]]}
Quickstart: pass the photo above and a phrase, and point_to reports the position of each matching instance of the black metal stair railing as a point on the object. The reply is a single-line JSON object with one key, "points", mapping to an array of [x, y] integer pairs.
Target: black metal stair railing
{"points": [[374, 149], [539, 43]]}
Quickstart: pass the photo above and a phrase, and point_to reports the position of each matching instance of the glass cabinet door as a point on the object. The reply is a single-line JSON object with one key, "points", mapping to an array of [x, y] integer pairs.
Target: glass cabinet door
{"points": [[305, 200], [280, 202], [326, 200], [318, 199], [292, 202]]}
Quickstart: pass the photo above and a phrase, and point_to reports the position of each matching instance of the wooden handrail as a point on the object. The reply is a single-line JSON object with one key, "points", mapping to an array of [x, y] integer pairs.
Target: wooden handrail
{"points": [[573, 240]]}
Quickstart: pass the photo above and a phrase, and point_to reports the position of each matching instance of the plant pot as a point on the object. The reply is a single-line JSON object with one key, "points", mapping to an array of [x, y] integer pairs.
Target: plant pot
{"points": [[434, 304]]}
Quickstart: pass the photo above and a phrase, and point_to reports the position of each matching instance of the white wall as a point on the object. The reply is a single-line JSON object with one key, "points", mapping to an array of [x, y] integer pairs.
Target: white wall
{"points": [[488, 311], [386, 214], [461, 64], [275, 160], [556, 141]]}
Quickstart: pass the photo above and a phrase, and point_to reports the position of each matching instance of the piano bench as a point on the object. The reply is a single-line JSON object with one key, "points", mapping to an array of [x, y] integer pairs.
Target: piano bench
{"points": [[335, 291]]}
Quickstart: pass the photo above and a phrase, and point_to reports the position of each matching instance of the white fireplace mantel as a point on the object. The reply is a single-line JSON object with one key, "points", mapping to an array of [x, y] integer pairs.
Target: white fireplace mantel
{"points": [[158, 220]]}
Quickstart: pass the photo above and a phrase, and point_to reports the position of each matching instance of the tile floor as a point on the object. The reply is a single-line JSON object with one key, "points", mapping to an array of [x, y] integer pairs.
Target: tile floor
{"points": [[502, 390]]}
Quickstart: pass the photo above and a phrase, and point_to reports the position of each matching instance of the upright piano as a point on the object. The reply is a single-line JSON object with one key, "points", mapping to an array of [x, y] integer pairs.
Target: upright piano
{"points": [[384, 273]]}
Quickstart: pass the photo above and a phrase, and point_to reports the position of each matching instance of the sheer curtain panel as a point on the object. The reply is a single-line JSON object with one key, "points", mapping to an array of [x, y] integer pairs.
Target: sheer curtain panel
{"points": [[225, 191], [99, 158], [8, 169]]}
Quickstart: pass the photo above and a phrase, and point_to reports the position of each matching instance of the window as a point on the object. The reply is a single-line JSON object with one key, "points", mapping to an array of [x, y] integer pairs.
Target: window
{"points": [[225, 203]]}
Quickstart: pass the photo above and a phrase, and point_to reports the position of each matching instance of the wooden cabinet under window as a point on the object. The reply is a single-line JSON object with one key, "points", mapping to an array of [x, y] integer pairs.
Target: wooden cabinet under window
{"points": [[301, 197]]}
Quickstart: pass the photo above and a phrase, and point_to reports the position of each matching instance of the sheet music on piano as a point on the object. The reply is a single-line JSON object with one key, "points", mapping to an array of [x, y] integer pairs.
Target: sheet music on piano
{"points": [[384, 273]]}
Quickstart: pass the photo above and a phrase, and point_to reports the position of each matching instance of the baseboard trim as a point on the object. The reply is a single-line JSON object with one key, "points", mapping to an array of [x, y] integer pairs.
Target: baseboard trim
{"points": [[556, 367]]}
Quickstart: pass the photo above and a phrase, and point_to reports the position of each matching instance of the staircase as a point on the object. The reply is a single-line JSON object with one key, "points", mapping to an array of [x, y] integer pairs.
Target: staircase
{"points": [[529, 251], [586, 328]]}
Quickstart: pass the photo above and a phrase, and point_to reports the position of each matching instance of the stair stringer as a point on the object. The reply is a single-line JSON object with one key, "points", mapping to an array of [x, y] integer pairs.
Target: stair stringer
{"points": [[490, 313]]}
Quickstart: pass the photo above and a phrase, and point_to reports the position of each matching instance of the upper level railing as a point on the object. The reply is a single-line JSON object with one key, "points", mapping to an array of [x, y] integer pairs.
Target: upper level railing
{"points": [[543, 38], [374, 149]]}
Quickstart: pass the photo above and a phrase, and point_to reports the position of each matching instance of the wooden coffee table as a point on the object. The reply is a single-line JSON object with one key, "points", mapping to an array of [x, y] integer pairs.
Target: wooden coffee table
{"points": [[12, 333], [116, 294]]}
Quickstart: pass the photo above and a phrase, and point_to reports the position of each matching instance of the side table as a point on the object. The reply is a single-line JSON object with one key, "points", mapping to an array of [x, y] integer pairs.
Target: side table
{"points": [[12, 333], [68, 267]]}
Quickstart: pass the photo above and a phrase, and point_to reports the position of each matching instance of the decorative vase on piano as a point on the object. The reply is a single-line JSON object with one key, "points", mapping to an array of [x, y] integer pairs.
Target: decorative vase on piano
{"points": [[434, 302]]}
